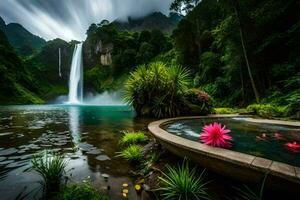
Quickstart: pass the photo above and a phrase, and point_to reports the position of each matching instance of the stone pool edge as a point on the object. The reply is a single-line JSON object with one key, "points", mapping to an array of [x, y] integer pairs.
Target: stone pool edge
{"points": [[235, 164]]}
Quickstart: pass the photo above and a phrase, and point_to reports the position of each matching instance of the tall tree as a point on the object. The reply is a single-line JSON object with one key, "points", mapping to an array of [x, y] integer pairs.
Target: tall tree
{"points": [[235, 4]]}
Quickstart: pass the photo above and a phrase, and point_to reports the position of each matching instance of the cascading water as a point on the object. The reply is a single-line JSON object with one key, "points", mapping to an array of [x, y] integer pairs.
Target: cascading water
{"points": [[76, 76]]}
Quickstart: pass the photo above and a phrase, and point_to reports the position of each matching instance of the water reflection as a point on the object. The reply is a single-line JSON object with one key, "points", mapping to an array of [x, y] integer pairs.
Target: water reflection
{"points": [[94, 130], [74, 117]]}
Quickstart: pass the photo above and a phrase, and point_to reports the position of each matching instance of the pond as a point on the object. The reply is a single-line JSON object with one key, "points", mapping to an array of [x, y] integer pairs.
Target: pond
{"points": [[259, 139], [87, 135]]}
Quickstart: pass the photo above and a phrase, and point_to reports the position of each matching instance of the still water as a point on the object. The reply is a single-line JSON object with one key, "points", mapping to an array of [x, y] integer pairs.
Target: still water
{"points": [[87, 136], [263, 140]]}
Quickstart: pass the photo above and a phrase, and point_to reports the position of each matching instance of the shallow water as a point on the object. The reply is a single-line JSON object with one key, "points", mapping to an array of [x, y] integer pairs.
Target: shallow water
{"points": [[87, 135], [264, 140]]}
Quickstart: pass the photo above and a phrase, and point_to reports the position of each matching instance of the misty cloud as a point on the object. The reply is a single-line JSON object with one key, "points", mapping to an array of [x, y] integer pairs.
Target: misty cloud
{"points": [[69, 19]]}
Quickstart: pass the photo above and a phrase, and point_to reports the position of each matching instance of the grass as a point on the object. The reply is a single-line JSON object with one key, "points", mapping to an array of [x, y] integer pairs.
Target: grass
{"points": [[182, 183], [82, 191], [133, 153], [133, 138], [52, 168]]}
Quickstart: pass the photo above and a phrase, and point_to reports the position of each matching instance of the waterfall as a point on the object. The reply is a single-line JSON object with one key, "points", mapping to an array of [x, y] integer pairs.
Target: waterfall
{"points": [[76, 76]]}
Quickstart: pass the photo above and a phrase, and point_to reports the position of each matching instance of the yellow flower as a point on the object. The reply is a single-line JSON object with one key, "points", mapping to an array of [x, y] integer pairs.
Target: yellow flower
{"points": [[125, 184], [137, 187], [125, 191]]}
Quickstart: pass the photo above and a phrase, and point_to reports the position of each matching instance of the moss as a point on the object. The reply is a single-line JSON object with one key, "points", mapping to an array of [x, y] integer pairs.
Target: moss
{"points": [[80, 192], [230, 110], [25, 96], [267, 110], [55, 91]]}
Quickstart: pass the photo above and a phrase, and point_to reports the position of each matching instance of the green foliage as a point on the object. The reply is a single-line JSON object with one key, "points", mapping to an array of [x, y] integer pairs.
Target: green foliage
{"points": [[182, 183], [247, 194], [127, 48], [133, 153], [133, 138], [267, 110], [52, 169], [229, 110], [208, 41], [24, 42], [80, 192], [15, 80], [157, 90], [199, 98]]}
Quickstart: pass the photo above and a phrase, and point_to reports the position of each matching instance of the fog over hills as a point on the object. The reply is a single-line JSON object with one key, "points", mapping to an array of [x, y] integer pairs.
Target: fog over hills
{"points": [[71, 18]]}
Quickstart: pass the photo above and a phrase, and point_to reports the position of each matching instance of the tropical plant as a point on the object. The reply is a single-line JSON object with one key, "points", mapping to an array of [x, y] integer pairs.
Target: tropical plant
{"points": [[133, 153], [182, 183], [199, 99], [82, 191], [52, 169], [248, 194], [133, 138], [157, 90]]}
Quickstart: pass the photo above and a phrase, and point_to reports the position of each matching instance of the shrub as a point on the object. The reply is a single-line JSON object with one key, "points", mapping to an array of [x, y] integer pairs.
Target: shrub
{"points": [[267, 110], [52, 168], [133, 153], [157, 90], [133, 138], [80, 192], [182, 183], [200, 100], [293, 107]]}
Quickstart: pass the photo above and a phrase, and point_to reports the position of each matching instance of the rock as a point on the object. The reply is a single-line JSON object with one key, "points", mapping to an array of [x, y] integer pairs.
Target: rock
{"points": [[151, 146], [2, 158], [7, 133], [94, 152], [103, 158], [85, 146], [8, 151]]}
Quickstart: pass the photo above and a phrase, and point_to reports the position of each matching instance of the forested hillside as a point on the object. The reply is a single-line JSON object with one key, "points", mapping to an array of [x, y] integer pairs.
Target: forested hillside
{"points": [[21, 39], [15, 81], [239, 52], [242, 51]]}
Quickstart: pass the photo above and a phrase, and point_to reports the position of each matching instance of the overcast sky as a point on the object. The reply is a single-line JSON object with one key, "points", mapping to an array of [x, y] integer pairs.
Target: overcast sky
{"points": [[69, 19]]}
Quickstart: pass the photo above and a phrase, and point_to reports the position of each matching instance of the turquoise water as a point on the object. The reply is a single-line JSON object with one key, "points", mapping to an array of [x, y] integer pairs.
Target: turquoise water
{"points": [[87, 135], [264, 140]]}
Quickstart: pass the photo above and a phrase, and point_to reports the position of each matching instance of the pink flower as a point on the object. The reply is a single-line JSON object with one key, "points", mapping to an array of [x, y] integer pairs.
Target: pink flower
{"points": [[293, 146], [215, 135]]}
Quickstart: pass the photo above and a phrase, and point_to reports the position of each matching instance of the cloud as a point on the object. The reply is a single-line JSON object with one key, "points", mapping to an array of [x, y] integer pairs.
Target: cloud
{"points": [[69, 19]]}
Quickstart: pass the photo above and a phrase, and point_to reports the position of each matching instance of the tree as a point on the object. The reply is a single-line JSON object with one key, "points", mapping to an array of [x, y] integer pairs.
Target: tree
{"points": [[235, 4]]}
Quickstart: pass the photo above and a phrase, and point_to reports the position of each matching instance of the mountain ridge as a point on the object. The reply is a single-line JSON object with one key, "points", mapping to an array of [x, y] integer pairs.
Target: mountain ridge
{"points": [[21, 39]]}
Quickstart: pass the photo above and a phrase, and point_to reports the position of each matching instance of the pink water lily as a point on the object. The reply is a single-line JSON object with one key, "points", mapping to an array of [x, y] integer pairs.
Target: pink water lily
{"points": [[215, 135]]}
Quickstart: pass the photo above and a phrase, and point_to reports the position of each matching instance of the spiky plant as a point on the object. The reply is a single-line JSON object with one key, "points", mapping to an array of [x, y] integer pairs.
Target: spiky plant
{"points": [[157, 90], [182, 183], [133, 153], [133, 138], [52, 168], [247, 193]]}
